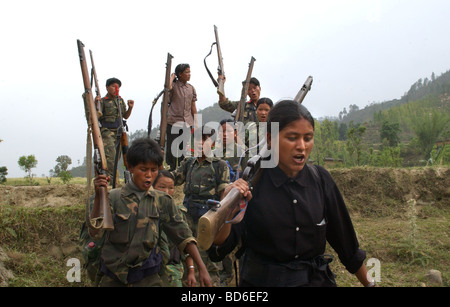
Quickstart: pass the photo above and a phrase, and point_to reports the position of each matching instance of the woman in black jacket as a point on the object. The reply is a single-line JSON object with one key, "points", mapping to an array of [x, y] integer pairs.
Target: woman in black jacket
{"points": [[293, 211]]}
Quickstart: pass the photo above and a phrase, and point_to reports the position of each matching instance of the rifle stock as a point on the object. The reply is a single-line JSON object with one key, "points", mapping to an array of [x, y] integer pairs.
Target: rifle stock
{"points": [[240, 109], [165, 103], [212, 221], [100, 217]]}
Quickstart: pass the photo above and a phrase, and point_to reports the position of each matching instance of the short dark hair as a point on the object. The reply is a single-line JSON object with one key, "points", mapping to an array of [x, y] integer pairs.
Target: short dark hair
{"points": [[180, 68], [112, 81], [287, 111], [144, 150], [223, 121], [254, 81]]}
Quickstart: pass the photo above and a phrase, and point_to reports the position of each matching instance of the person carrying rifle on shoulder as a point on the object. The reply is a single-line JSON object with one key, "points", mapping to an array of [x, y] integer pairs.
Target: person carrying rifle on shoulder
{"points": [[109, 119], [293, 210]]}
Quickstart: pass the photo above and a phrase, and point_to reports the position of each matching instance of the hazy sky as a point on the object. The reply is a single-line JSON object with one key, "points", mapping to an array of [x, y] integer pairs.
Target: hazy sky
{"points": [[358, 52]]}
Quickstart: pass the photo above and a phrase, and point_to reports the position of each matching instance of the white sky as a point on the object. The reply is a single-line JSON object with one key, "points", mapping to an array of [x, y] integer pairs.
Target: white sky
{"points": [[358, 52]]}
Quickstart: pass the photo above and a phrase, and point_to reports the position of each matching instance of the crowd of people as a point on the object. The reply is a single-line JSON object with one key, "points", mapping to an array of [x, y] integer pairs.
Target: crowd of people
{"points": [[294, 209]]}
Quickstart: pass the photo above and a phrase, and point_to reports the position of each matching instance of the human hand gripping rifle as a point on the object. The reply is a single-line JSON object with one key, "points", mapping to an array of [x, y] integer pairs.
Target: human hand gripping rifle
{"points": [[100, 217], [212, 221], [220, 69]]}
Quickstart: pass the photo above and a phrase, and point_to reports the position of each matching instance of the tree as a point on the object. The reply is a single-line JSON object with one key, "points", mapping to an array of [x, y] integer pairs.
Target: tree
{"points": [[354, 143], [28, 163], [389, 131], [65, 176], [428, 127], [63, 163], [3, 173]]}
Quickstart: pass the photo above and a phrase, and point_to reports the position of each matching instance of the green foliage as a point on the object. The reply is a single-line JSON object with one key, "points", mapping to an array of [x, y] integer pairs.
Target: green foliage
{"points": [[65, 177], [27, 163], [389, 131], [428, 127], [3, 173], [63, 163], [354, 144]]}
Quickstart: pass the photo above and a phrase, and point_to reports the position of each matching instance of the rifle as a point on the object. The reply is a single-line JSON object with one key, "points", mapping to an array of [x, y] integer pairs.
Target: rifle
{"points": [[121, 143], [220, 70], [149, 127], [100, 217], [97, 88], [240, 109], [212, 221], [165, 103]]}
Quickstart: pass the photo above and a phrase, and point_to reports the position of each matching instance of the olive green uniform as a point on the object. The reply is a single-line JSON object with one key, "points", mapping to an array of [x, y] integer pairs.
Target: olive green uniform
{"points": [[110, 123], [202, 181], [133, 245]]}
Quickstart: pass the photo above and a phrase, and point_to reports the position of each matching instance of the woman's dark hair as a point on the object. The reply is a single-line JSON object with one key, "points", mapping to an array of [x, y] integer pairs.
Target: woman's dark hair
{"points": [[144, 150], [163, 173], [267, 101], [180, 68], [286, 112]]}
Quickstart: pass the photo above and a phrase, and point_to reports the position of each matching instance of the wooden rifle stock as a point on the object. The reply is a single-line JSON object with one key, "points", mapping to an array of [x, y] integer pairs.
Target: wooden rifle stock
{"points": [[240, 109], [100, 217], [165, 103], [212, 221]]}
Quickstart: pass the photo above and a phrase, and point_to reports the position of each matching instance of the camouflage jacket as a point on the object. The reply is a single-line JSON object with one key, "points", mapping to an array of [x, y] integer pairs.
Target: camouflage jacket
{"points": [[110, 112], [200, 178], [137, 228], [249, 109]]}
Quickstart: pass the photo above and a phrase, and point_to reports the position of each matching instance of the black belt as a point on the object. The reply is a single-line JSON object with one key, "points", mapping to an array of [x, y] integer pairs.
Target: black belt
{"points": [[260, 271]]}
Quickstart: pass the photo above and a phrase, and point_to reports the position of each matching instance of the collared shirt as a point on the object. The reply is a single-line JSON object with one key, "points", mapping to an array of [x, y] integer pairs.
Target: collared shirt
{"points": [[181, 99], [293, 218]]}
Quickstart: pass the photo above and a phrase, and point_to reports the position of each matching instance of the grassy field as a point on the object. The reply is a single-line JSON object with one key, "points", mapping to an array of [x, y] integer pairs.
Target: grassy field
{"points": [[409, 238]]}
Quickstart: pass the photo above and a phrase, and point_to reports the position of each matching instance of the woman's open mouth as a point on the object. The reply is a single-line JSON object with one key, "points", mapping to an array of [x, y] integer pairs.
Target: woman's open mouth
{"points": [[299, 159]]}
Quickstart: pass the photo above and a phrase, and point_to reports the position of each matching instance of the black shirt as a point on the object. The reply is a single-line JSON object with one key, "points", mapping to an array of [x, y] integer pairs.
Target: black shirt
{"points": [[292, 218]]}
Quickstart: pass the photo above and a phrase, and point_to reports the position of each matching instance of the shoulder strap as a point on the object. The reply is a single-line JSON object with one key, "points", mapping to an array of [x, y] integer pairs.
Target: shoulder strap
{"points": [[216, 165]]}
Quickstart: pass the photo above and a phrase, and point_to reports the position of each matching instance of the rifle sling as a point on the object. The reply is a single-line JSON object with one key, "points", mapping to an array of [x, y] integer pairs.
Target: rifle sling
{"points": [[206, 66]]}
